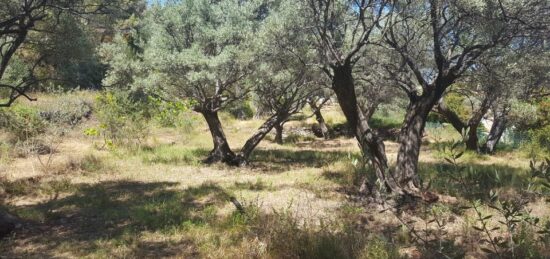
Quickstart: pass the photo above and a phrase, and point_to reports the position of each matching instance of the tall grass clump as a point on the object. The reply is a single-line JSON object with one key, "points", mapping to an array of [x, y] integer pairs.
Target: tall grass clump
{"points": [[284, 234]]}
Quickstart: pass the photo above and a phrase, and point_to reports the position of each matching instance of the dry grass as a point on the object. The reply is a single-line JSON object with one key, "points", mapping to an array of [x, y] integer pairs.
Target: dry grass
{"points": [[160, 201]]}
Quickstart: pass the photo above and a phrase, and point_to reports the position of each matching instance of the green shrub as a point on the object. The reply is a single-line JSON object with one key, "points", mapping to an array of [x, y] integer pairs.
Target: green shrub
{"points": [[67, 109], [540, 141], [241, 110], [169, 114], [22, 122], [378, 248], [123, 118]]}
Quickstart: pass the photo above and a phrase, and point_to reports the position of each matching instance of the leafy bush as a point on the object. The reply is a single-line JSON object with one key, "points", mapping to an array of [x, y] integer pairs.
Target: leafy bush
{"points": [[241, 110], [173, 114], [22, 122], [539, 144], [454, 102], [68, 109], [124, 118]]}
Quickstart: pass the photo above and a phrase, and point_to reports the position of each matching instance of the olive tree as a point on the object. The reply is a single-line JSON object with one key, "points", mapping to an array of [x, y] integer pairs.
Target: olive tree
{"points": [[438, 42], [200, 50], [215, 54], [341, 31], [287, 78]]}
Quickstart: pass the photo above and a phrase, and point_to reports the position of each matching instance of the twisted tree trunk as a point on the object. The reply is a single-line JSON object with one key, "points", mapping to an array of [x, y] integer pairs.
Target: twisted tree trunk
{"points": [[279, 133], [410, 140], [472, 140], [221, 151], [371, 146], [241, 159], [500, 119], [320, 119]]}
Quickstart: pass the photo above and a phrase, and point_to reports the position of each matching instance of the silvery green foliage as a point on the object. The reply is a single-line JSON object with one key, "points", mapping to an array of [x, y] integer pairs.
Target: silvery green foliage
{"points": [[287, 74], [464, 31], [343, 27], [188, 49]]}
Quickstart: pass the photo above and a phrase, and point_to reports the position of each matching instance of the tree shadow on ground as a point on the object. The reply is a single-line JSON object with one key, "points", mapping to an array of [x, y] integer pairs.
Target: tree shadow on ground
{"points": [[173, 155], [470, 181], [280, 160], [115, 211]]}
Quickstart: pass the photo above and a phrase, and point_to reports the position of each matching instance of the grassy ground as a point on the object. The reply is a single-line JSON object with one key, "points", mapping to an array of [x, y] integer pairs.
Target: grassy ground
{"points": [[160, 201]]}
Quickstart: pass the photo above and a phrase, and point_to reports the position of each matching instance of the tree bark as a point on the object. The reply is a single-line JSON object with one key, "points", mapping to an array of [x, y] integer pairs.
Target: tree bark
{"points": [[221, 151], [472, 140], [320, 119], [410, 141], [279, 133], [472, 143], [371, 146], [500, 119], [242, 157]]}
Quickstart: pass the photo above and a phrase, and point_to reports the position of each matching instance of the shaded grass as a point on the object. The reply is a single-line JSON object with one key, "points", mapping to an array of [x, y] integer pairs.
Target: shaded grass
{"points": [[34, 187], [113, 212], [126, 219], [283, 159], [479, 179], [258, 185], [172, 155]]}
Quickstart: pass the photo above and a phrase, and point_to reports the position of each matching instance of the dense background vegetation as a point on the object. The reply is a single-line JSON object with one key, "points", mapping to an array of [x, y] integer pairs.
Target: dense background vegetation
{"points": [[275, 128]]}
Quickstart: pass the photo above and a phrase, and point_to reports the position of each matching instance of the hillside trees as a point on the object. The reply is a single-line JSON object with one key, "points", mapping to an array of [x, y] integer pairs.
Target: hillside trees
{"points": [[435, 42], [513, 74]]}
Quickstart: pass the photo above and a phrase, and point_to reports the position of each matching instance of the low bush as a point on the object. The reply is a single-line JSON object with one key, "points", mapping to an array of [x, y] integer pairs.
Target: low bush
{"points": [[119, 113], [170, 114], [22, 122], [68, 109], [241, 110], [539, 143]]}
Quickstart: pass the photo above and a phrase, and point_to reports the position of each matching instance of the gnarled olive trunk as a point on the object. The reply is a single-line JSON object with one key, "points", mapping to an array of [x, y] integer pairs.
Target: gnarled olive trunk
{"points": [[472, 140], [221, 151], [279, 133], [500, 119], [242, 157], [472, 143], [410, 141], [371, 146], [320, 120]]}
